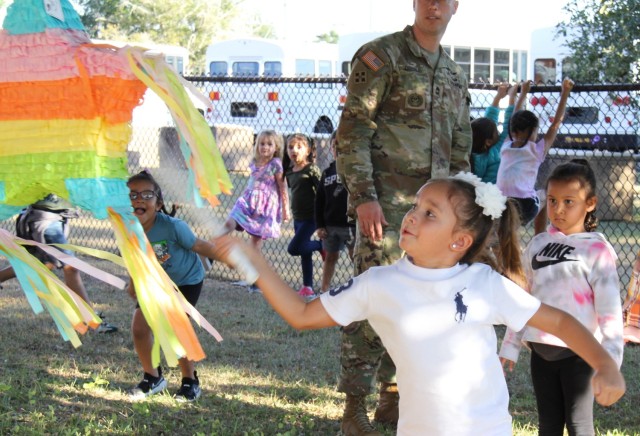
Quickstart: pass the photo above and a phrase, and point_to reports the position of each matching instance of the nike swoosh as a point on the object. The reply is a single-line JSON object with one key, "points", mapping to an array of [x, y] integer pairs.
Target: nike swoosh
{"points": [[537, 264]]}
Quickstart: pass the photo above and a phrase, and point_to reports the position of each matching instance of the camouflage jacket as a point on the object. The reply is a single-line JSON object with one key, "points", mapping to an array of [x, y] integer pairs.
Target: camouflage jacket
{"points": [[404, 122]]}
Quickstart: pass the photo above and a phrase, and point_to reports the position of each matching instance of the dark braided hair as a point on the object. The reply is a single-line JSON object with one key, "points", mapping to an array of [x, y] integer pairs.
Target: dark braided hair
{"points": [[523, 121], [578, 170], [145, 176]]}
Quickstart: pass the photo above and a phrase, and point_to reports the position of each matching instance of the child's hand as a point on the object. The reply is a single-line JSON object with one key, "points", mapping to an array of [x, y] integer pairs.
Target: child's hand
{"points": [[567, 85], [502, 90], [526, 86], [512, 92], [321, 233], [507, 364], [285, 215], [225, 244], [608, 385]]}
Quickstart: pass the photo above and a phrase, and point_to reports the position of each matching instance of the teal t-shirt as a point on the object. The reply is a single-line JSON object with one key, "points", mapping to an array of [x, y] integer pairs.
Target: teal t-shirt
{"points": [[172, 240]]}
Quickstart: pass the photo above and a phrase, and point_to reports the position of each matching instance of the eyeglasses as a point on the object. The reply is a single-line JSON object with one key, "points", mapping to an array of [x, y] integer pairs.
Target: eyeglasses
{"points": [[145, 195]]}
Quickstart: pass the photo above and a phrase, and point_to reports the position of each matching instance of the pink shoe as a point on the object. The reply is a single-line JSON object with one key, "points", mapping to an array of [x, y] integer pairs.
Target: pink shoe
{"points": [[306, 292]]}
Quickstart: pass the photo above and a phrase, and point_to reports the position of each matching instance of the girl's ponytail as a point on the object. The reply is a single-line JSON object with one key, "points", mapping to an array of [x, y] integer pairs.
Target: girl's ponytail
{"points": [[507, 252]]}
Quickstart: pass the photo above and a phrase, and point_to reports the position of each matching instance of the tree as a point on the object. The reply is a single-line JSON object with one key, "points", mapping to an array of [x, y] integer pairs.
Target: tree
{"points": [[604, 40], [332, 37], [189, 23]]}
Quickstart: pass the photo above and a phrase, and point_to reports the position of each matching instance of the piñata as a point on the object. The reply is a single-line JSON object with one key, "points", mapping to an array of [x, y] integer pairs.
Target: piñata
{"points": [[65, 111]]}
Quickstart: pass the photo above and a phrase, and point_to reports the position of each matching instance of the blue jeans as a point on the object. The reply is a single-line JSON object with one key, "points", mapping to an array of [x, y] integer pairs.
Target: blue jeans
{"points": [[302, 245]]}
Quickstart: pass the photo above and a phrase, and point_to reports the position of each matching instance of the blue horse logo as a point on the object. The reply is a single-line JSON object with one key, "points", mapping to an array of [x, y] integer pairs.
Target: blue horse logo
{"points": [[461, 308]]}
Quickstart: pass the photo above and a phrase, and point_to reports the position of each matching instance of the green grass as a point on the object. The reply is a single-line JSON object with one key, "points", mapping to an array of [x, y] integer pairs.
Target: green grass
{"points": [[263, 379]]}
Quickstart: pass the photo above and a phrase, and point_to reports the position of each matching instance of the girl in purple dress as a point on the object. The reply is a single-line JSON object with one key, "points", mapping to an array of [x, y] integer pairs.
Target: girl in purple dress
{"points": [[263, 204]]}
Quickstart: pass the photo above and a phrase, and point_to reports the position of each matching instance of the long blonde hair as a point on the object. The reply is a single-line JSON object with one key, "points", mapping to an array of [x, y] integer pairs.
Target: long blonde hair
{"points": [[277, 140]]}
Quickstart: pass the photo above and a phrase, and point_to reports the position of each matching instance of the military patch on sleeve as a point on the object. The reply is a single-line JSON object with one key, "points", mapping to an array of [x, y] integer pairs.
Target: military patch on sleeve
{"points": [[372, 61], [360, 77]]}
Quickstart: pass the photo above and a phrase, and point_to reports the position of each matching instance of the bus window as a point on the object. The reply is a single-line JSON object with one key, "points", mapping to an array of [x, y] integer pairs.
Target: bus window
{"points": [[245, 69], [324, 68], [180, 65], [545, 71], [581, 115], [482, 65], [273, 69], [346, 68], [218, 68], [305, 67], [462, 56], [501, 66], [568, 67], [520, 64]]}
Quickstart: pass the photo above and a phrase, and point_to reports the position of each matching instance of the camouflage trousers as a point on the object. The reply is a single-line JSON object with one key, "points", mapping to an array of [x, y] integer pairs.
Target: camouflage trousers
{"points": [[363, 358]]}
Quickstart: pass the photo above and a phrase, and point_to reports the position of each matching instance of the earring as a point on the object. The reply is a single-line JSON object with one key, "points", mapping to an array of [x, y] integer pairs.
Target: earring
{"points": [[454, 245]]}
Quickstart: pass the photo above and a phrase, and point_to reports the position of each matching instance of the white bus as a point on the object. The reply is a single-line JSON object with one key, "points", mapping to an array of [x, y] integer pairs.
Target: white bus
{"points": [[604, 120], [304, 107]]}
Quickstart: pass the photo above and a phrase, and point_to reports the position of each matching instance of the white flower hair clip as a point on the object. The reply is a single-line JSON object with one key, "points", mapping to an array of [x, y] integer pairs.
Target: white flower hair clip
{"points": [[488, 196]]}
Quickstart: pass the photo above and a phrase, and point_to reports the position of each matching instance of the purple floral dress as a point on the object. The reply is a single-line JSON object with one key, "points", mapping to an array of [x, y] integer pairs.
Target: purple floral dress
{"points": [[258, 210]]}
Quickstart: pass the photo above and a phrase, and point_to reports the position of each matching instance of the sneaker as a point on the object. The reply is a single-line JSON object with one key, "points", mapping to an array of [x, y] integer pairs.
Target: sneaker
{"points": [[105, 327], [240, 283], [148, 386], [253, 289], [190, 389], [306, 292]]}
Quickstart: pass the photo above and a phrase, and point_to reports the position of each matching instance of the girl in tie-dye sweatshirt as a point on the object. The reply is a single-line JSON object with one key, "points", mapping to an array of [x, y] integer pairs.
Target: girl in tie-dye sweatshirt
{"points": [[572, 268]]}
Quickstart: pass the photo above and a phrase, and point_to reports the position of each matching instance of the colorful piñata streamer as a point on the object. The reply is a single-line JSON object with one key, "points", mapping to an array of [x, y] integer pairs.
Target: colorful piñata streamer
{"points": [[168, 321]]}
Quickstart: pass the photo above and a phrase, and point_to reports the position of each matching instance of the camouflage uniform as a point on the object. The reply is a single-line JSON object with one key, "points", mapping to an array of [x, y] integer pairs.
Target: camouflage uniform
{"points": [[404, 122]]}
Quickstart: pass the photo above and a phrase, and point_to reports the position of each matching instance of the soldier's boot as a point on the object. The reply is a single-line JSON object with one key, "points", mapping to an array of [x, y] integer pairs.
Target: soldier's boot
{"points": [[355, 421], [387, 410]]}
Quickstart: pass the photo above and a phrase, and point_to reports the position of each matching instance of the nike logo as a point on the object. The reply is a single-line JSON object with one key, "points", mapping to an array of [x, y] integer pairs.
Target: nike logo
{"points": [[552, 254]]}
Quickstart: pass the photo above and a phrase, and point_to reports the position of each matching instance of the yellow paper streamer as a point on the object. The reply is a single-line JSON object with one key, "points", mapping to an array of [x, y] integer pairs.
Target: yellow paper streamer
{"points": [[43, 289], [163, 305]]}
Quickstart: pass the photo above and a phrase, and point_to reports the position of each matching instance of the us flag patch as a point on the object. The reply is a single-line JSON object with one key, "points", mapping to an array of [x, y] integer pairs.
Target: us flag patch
{"points": [[372, 61]]}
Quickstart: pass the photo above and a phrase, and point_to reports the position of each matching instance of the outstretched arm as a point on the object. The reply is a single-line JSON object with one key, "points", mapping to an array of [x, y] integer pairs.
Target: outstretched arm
{"points": [[500, 94], [550, 136], [608, 383], [295, 311], [522, 98]]}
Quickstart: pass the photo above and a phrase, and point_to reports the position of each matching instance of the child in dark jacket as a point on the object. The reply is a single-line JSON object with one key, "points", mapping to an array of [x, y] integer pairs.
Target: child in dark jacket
{"points": [[333, 226]]}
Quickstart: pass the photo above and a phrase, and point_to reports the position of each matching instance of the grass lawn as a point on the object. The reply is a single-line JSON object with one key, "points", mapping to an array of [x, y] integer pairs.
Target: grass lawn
{"points": [[264, 379]]}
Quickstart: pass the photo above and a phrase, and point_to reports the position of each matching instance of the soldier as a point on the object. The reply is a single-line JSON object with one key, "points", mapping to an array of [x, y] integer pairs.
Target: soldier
{"points": [[405, 121]]}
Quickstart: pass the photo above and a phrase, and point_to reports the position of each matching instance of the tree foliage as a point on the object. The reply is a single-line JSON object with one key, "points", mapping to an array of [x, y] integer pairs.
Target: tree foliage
{"points": [[604, 39], [189, 23], [332, 37]]}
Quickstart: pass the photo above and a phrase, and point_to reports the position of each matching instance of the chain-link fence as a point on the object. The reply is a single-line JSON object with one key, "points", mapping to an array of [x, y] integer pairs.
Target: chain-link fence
{"points": [[601, 125]]}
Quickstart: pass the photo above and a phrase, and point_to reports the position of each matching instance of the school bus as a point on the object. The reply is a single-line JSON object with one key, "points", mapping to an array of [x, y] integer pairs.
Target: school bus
{"points": [[601, 119], [259, 99]]}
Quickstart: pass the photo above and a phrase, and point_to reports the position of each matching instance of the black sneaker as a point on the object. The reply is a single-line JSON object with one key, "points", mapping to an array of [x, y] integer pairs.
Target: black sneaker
{"points": [[148, 386], [104, 326], [190, 389], [253, 289]]}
